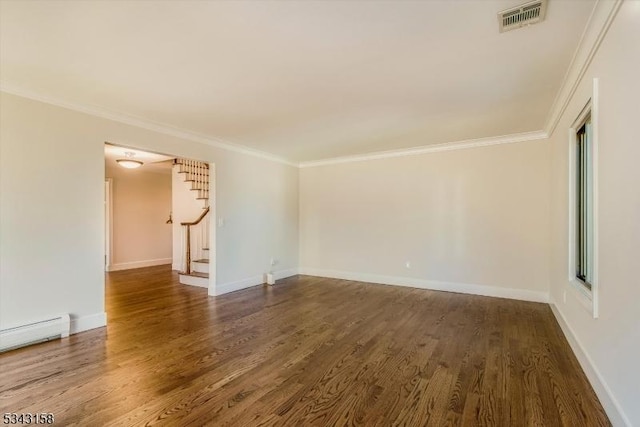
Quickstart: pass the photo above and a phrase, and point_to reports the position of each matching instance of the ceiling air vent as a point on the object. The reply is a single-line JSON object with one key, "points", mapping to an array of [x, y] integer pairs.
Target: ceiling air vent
{"points": [[526, 14]]}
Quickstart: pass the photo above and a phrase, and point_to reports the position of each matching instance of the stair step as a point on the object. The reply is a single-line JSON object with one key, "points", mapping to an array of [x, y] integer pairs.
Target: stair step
{"points": [[195, 279], [200, 266], [197, 274]]}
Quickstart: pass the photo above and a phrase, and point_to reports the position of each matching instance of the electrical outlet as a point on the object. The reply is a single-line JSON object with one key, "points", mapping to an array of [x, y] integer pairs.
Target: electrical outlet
{"points": [[407, 264], [564, 297], [220, 222], [274, 261]]}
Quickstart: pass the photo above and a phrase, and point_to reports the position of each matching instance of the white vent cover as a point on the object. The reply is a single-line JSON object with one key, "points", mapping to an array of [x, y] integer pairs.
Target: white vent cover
{"points": [[526, 14]]}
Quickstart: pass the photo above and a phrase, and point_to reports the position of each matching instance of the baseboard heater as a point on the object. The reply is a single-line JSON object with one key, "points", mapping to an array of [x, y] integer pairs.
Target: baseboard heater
{"points": [[32, 333]]}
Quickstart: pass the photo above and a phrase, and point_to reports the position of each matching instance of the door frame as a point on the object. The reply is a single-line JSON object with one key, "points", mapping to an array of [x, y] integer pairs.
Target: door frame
{"points": [[108, 222]]}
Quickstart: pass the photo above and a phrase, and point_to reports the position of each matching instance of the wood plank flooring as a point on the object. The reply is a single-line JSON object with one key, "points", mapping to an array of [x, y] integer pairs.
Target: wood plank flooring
{"points": [[308, 351]]}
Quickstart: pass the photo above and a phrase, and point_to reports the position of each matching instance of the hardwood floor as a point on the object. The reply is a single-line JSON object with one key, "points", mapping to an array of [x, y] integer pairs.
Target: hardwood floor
{"points": [[308, 351]]}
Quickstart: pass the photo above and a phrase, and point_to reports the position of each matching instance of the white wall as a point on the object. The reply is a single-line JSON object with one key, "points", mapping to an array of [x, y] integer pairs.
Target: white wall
{"points": [[258, 202], [186, 208], [611, 342], [473, 220], [52, 219], [141, 203], [51, 211]]}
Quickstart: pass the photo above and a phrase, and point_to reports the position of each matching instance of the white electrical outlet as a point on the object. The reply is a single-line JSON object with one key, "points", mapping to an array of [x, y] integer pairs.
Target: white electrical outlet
{"points": [[220, 222], [273, 261], [407, 264], [564, 297]]}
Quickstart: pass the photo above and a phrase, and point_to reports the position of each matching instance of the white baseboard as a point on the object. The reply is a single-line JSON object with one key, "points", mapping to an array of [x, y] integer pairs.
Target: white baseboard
{"points": [[283, 274], [464, 288], [139, 264], [609, 403], [225, 288], [85, 323]]}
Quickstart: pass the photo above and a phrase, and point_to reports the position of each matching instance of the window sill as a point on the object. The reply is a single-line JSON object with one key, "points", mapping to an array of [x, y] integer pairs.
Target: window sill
{"points": [[583, 295]]}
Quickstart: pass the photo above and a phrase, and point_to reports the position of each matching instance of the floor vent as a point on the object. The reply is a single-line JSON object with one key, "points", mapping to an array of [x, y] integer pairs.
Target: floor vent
{"points": [[520, 16], [35, 332]]}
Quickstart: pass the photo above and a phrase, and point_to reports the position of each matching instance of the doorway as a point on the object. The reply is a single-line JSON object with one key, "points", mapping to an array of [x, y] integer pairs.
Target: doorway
{"points": [[189, 199]]}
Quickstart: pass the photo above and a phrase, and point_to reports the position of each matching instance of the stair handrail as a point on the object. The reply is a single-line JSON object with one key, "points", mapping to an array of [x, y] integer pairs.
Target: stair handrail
{"points": [[188, 225], [197, 221]]}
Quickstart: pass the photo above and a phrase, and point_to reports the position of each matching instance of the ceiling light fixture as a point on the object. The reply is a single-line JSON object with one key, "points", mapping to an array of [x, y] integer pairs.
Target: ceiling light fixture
{"points": [[129, 163]]}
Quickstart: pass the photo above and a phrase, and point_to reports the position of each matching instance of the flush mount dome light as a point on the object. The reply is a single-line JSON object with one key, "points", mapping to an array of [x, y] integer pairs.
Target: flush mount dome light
{"points": [[129, 163]]}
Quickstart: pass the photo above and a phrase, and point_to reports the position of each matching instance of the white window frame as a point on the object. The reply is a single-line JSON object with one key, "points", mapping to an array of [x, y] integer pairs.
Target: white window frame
{"points": [[587, 297]]}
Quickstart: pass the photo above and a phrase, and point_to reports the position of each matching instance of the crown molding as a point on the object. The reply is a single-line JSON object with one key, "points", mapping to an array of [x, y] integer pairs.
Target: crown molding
{"points": [[144, 124], [602, 16], [225, 145], [598, 25], [435, 148]]}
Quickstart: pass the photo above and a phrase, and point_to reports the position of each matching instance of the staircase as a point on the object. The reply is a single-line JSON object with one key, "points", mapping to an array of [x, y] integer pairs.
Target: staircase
{"points": [[199, 274], [195, 263], [197, 173]]}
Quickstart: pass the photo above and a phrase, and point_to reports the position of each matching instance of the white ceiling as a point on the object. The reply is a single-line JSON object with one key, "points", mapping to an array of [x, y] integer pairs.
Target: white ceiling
{"points": [[304, 80]]}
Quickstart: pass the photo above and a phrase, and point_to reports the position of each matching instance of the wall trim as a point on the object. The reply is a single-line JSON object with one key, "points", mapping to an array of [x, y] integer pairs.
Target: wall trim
{"points": [[237, 285], [230, 146], [434, 148], [611, 406], [464, 288], [283, 274], [139, 264], [85, 323], [597, 27], [108, 197], [249, 282], [143, 123]]}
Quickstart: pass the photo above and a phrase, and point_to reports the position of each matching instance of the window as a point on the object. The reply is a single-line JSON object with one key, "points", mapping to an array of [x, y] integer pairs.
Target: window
{"points": [[584, 203], [583, 192]]}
